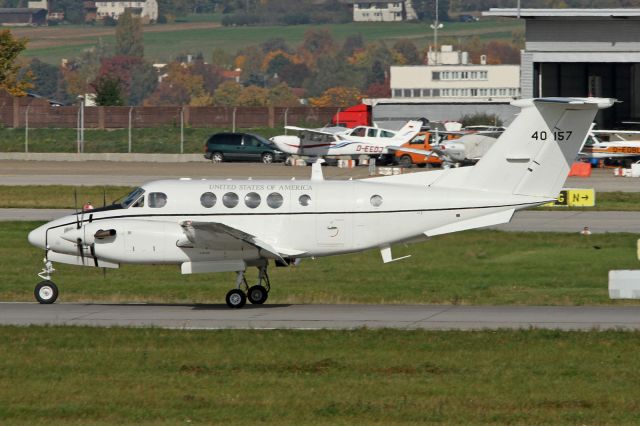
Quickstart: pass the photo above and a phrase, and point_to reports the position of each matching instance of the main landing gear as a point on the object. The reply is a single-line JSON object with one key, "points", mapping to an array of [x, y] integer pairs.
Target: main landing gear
{"points": [[257, 294], [46, 292]]}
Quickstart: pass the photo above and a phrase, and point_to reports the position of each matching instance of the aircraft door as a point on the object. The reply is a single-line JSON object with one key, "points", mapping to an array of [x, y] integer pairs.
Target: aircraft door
{"points": [[334, 217]]}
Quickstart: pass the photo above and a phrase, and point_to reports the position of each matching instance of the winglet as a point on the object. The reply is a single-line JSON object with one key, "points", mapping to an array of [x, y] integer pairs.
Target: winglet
{"points": [[316, 170]]}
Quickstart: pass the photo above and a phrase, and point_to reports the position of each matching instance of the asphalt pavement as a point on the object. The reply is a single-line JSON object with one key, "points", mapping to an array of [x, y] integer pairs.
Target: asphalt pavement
{"points": [[406, 317]]}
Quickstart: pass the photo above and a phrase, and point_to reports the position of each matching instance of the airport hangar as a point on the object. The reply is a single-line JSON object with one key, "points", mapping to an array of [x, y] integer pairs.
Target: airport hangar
{"points": [[568, 52], [582, 52]]}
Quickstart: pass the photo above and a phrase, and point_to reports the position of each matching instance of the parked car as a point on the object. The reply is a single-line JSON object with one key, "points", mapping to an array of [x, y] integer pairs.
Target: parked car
{"points": [[422, 141], [467, 18], [229, 146]]}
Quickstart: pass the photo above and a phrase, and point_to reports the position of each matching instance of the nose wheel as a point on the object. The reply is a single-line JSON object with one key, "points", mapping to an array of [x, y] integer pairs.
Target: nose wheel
{"points": [[46, 292]]}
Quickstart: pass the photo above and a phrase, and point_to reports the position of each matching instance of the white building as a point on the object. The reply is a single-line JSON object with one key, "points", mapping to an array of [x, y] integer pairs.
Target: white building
{"points": [[453, 78], [146, 9], [382, 11]]}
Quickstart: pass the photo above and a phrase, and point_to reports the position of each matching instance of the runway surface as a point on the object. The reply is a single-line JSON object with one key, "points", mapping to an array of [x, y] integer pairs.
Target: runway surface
{"points": [[13, 172], [323, 316], [532, 221]]}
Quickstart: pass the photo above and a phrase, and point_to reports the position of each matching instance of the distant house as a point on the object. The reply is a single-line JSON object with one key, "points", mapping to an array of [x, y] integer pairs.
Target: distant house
{"points": [[382, 11], [22, 16], [90, 11], [146, 9]]}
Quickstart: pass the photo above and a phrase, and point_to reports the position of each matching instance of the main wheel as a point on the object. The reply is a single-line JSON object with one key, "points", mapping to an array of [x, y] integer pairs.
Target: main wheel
{"points": [[405, 161], [257, 295], [236, 299], [267, 158], [217, 157], [46, 292]]}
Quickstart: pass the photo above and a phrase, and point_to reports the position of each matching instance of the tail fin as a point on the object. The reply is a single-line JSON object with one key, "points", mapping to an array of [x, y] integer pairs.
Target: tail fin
{"points": [[534, 155], [407, 132]]}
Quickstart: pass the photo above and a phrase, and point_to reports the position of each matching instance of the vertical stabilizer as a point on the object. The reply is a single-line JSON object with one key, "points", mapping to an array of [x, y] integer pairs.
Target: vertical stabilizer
{"points": [[534, 155]]}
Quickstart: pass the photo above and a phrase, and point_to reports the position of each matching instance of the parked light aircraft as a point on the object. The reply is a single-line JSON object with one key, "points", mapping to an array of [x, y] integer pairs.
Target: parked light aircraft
{"points": [[619, 146], [361, 140], [230, 225]]}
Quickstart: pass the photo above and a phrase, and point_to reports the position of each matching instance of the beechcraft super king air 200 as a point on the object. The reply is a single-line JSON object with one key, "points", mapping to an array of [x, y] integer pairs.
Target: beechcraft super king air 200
{"points": [[332, 142], [231, 225]]}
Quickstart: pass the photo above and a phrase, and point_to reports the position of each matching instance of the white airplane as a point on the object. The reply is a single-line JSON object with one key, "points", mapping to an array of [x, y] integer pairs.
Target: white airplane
{"points": [[230, 225], [361, 140], [622, 145]]}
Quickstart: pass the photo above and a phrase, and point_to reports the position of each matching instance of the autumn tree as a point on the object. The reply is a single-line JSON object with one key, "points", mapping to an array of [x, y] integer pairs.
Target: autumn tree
{"points": [[129, 40], [180, 87], [282, 95], [253, 96], [408, 50], [10, 48], [337, 96], [138, 79], [227, 93]]}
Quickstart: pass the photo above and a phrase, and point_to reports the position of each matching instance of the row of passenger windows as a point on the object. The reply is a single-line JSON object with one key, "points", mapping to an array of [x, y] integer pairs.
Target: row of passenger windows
{"points": [[231, 200]]}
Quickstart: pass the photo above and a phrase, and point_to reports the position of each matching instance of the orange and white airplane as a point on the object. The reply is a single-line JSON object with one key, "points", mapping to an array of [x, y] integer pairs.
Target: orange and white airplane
{"points": [[612, 144]]}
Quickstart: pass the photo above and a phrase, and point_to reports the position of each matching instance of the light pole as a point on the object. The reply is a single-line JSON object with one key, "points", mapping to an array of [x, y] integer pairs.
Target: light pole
{"points": [[26, 129], [81, 125], [435, 26]]}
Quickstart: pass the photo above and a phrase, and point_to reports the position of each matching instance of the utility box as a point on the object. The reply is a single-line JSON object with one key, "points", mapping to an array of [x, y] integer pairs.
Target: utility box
{"points": [[624, 284]]}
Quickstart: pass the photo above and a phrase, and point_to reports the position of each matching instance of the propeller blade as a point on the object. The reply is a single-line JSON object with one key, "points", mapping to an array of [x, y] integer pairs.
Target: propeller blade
{"points": [[75, 205], [104, 197]]}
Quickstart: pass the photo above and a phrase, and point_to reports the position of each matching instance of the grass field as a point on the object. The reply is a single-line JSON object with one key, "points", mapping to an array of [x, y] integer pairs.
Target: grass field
{"points": [[69, 375], [148, 140], [163, 43], [61, 197], [479, 267]]}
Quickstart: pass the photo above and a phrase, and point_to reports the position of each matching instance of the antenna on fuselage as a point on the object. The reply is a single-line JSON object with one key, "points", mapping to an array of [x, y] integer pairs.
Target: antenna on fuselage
{"points": [[316, 170]]}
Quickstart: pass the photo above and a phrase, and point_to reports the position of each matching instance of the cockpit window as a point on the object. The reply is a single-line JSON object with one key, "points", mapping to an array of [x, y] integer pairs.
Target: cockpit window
{"points": [[131, 198], [157, 199]]}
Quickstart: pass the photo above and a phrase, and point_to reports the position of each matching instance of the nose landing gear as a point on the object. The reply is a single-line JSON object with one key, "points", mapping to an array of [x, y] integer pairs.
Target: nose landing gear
{"points": [[257, 294], [46, 292]]}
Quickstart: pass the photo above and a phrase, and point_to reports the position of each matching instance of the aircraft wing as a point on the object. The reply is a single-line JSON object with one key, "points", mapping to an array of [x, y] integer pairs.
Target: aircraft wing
{"points": [[218, 236], [412, 151], [302, 129]]}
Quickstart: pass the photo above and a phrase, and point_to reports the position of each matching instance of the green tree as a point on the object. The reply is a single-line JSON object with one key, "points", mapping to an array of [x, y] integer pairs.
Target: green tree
{"points": [[129, 40], [46, 78], [408, 50], [281, 95], [10, 81], [108, 91], [227, 94]]}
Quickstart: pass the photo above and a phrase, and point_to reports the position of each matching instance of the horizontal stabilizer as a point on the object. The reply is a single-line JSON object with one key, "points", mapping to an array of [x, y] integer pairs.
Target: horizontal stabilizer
{"points": [[473, 223]]}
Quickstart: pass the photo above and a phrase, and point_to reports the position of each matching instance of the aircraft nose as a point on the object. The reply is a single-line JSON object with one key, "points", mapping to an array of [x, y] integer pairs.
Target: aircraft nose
{"points": [[37, 237]]}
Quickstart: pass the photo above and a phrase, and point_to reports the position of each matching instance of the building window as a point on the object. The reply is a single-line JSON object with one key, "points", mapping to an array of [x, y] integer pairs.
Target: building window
{"points": [[397, 93], [426, 93], [416, 93], [474, 92], [407, 93], [435, 93], [435, 75]]}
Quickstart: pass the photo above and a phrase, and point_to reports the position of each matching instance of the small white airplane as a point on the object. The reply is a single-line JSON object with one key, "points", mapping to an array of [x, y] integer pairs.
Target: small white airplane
{"points": [[230, 225], [361, 140], [621, 145]]}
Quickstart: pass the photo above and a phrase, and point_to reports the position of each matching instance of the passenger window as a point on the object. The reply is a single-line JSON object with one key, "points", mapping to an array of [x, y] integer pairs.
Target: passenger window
{"points": [[157, 200], [304, 200], [274, 200], [251, 141], [359, 131], [372, 133], [386, 134], [252, 200], [208, 199], [376, 200], [230, 199]]}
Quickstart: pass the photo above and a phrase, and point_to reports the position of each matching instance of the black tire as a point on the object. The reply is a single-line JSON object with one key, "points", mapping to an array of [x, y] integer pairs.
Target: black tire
{"points": [[236, 299], [267, 157], [217, 157], [257, 294], [405, 161], [46, 292]]}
